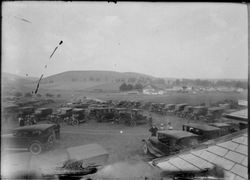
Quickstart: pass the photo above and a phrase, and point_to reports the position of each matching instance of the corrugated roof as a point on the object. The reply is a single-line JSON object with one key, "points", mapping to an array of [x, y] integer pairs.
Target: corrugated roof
{"points": [[231, 154], [242, 114]]}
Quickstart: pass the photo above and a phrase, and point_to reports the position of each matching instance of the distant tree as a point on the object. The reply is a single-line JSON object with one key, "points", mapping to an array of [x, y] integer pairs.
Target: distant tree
{"points": [[130, 87], [28, 95], [131, 80], [73, 79], [58, 95], [97, 79], [18, 94], [184, 88], [123, 87], [138, 87], [159, 81], [49, 95], [177, 82], [91, 79]]}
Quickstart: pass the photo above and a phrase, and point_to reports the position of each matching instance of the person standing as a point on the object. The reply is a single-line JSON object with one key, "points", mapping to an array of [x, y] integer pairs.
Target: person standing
{"points": [[153, 130], [150, 120], [170, 126], [21, 121]]}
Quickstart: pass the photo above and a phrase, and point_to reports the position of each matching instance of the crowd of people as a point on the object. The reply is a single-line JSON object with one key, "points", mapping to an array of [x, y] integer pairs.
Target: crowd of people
{"points": [[27, 120], [154, 129]]}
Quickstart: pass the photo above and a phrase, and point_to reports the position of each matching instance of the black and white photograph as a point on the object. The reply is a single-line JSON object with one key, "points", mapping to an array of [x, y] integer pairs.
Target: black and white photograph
{"points": [[124, 90]]}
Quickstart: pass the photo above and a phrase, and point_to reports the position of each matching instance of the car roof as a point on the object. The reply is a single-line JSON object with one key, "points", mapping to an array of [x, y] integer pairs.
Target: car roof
{"points": [[170, 104], [35, 127], [199, 107], [43, 108], [65, 108], [177, 134], [220, 124], [78, 109], [136, 109], [183, 104], [27, 107], [204, 127], [216, 108]]}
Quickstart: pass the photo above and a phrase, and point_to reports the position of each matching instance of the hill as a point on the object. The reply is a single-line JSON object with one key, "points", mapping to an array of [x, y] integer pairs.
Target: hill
{"points": [[92, 80], [13, 83]]}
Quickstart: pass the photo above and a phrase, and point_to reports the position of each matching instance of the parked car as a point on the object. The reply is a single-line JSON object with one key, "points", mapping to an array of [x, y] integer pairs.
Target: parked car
{"points": [[169, 108], [225, 128], [35, 138], [138, 117], [42, 113], [187, 111], [78, 116], [179, 108], [214, 113], [199, 113], [204, 131], [169, 142]]}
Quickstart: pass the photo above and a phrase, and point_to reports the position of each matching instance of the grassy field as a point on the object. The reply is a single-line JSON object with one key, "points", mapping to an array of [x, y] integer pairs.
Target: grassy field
{"points": [[173, 97]]}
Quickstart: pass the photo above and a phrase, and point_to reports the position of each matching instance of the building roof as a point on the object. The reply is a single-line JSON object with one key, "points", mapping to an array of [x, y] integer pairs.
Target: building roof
{"points": [[229, 152], [204, 127], [216, 109], [178, 134], [218, 124], [242, 114]]}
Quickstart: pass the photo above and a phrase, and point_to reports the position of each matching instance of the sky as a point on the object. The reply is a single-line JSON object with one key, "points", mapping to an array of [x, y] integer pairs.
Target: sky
{"points": [[181, 40]]}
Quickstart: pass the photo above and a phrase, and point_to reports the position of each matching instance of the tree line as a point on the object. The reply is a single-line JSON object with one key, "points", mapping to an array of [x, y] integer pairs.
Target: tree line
{"points": [[129, 87]]}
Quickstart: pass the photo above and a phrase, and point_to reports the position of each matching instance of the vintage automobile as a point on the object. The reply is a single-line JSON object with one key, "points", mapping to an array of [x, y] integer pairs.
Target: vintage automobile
{"points": [[204, 131], [179, 108], [122, 115], [157, 107], [199, 113], [78, 116], [225, 128], [169, 142], [186, 113], [76, 163], [169, 108], [214, 113], [103, 114], [27, 114], [24, 111], [138, 117], [35, 138], [64, 115], [42, 113]]}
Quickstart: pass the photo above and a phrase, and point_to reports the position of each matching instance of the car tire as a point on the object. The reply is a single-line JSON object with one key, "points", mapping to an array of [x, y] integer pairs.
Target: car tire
{"points": [[145, 148], [51, 140], [35, 148], [75, 123]]}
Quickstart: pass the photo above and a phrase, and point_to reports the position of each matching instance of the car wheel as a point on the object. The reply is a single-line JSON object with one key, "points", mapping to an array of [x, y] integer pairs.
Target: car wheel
{"points": [[35, 148], [145, 148], [75, 123], [51, 139]]}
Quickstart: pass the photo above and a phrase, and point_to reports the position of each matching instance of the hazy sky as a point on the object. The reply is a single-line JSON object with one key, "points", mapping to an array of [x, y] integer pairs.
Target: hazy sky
{"points": [[194, 40]]}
